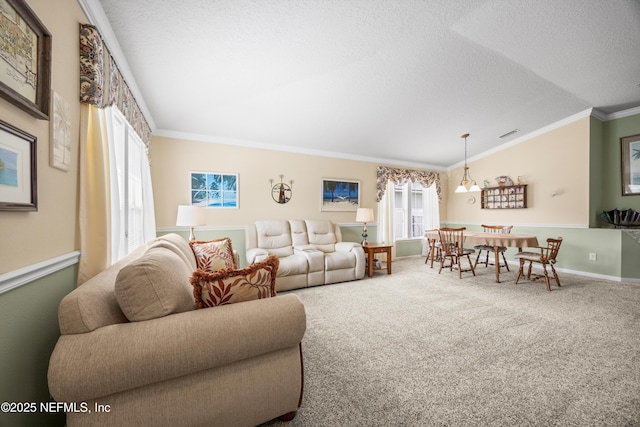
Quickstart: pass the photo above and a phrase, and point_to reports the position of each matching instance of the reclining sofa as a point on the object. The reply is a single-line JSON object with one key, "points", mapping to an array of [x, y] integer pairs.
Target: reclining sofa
{"points": [[146, 357], [311, 252]]}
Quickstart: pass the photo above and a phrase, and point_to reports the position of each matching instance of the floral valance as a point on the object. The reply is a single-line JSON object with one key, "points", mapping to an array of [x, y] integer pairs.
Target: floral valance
{"points": [[102, 85], [400, 176]]}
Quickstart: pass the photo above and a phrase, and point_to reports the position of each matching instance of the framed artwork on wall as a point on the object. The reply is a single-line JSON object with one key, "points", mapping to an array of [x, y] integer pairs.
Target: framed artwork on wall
{"points": [[630, 155], [60, 144], [215, 190], [18, 186], [25, 58], [340, 195]]}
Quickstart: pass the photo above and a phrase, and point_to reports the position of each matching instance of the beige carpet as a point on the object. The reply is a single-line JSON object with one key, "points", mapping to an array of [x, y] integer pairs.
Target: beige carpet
{"points": [[420, 349]]}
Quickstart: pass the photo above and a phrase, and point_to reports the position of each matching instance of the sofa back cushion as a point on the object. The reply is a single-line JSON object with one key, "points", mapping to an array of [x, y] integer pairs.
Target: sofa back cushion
{"points": [[154, 285], [275, 237], [299, 235], [322, 235]]}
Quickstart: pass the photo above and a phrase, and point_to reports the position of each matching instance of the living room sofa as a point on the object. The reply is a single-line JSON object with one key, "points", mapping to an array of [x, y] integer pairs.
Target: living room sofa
{"points": [[311, 252], [173, 365]]}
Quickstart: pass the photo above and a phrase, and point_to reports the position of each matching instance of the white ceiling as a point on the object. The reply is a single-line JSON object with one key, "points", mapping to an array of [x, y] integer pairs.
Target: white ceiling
{"points": [[393, 81]]}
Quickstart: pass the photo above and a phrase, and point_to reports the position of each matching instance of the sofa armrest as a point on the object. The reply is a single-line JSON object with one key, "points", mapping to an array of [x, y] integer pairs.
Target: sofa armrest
{"points": [[256, 254], [128, 355]]}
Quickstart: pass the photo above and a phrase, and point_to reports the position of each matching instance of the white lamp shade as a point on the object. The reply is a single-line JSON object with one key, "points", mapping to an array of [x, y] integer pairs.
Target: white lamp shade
{"points": [[475, 188], [364, 215], [190, 216], [461, 189]]}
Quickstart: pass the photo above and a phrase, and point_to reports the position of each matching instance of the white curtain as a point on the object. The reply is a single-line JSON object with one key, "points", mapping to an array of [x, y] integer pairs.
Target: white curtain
{"points": [[386, 207], [431, 212], [113, 166], [431, 208], [95, 193]]}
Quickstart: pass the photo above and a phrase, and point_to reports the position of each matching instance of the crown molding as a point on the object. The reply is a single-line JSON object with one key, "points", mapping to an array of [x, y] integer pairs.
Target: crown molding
{"points": [[621, 114], [289, 149], [526, 137]]}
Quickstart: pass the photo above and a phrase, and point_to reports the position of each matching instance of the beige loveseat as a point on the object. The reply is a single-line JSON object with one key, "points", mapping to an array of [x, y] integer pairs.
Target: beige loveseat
{"points": [[311, 252], [230, 365]]}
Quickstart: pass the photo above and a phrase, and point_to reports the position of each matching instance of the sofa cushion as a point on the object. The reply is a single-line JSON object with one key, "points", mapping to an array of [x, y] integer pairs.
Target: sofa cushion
{"points": [[214, 255], [211, 289], [154, 285], [275, 237], [339, 260], [322, 235], [293, 265]]}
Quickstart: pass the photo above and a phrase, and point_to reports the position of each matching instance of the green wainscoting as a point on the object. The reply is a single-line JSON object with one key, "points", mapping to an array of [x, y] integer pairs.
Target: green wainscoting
{"points": [[28, 333], [630, 254], [616, 252]]}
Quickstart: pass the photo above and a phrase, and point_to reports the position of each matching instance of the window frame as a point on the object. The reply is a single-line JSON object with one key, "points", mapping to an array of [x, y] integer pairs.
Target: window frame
{"points": [[407, 210]]}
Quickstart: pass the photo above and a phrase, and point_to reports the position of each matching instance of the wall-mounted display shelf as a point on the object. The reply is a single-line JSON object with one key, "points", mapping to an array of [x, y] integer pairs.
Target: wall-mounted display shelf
{"points": [[504, 197]]}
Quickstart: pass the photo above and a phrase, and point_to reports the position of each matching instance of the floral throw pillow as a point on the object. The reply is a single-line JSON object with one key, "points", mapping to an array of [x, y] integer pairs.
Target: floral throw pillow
{"points": [[211, 289], [214, 255]]}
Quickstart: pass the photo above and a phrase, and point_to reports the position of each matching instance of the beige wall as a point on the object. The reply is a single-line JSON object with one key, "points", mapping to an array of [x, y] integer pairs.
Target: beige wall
{"points": [[557, 160], [172, 160], [31, 237]]}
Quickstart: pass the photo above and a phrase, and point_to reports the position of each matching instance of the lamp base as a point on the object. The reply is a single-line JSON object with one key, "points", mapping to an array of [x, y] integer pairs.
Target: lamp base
{"points": [[192, 235], [364, 235]]}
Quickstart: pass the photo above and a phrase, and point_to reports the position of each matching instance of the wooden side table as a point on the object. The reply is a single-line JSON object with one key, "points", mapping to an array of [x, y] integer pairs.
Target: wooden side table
{"points": [[372, 249]]}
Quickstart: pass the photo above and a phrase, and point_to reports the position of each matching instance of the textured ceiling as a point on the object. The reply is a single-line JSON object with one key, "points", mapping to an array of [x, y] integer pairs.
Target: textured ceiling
{"points": [[394, 81]]}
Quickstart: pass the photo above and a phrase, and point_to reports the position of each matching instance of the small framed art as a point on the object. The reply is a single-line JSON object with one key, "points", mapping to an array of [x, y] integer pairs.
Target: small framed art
{"points": [[340, 195], [18, 186], [630, 156], [214, 190]]}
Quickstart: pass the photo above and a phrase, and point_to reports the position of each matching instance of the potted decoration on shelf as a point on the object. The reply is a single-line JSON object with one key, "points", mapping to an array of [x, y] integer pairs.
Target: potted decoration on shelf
{"points": [[504, 180]]}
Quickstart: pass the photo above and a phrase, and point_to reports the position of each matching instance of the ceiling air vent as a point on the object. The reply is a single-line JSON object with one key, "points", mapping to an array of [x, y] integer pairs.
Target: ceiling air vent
{"points": [[509, 133]]}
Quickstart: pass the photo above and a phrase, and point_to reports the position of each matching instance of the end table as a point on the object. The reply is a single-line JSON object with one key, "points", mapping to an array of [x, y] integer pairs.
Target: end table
{"points": [[371, 249]]}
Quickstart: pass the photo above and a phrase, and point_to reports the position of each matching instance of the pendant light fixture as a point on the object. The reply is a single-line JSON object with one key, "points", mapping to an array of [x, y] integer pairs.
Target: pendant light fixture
{"points": [[466, 177]]}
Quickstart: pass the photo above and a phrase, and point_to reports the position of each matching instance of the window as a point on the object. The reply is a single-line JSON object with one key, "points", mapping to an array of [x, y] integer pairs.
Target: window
{"points": [[408, 218], [132, 215]]}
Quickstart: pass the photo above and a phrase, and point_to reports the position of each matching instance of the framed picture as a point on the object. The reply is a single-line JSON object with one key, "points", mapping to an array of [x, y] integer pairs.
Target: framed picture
{"points": [[25, 58], [630, 155], [18, 187], [214, 190], [60, 144], [340, 195]]}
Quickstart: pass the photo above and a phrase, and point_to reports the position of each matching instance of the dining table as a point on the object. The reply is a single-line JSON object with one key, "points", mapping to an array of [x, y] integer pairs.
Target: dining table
{"points": [[496, 240]]}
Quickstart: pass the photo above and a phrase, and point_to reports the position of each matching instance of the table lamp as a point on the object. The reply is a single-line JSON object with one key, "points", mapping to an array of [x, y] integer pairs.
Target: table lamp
{"points": [[364, 215], [190, 216]]}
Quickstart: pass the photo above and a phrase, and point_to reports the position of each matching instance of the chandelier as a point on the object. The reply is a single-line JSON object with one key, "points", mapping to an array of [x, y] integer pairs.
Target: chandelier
{"points": [[467, 183]]}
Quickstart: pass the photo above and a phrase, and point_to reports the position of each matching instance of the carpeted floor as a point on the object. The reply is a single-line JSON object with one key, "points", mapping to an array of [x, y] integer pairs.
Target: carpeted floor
{"points": [[420, 349]]}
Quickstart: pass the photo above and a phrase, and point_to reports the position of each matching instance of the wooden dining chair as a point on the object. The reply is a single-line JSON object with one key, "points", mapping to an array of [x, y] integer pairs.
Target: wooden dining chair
{"points": [[546, 256], [434, 251], [490, 249], [451, 243]]}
